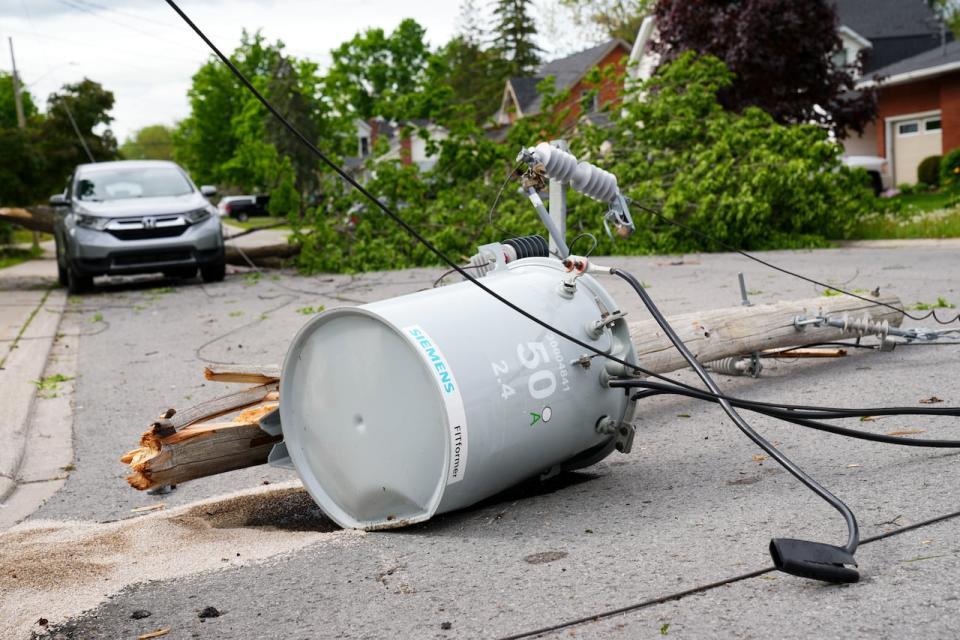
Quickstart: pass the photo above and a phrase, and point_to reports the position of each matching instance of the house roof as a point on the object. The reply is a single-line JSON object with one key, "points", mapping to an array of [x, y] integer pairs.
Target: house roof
{"points": [[525, 91], [875, 19], [924, 65], [566, 72]]}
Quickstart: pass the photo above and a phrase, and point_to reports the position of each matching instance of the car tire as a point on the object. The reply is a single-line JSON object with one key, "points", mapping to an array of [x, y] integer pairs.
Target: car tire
{"points": [[243, 216], [62, 276], [215, 271], [78, 282]]}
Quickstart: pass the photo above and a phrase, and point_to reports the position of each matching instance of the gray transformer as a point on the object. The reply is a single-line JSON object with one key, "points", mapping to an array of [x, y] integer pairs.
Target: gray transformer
{"points": [[394, 411]]}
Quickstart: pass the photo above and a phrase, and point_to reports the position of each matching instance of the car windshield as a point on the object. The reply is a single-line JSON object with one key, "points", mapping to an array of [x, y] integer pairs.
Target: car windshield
{"points": [[140, 182]]}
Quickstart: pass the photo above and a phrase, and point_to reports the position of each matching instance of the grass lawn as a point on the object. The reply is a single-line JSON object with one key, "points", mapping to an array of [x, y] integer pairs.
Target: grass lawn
{"points": [[922, 215], [25, 236], [10, 256], [256, 222]]}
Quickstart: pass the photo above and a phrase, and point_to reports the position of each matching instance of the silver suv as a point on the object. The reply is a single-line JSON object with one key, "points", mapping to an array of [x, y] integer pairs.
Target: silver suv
{"points": [[135, 216]]}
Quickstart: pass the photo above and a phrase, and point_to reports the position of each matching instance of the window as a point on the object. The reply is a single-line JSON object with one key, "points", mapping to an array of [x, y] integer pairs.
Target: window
{"points": [[933, 124], [908, 128], [364, 146], [840, 59]]}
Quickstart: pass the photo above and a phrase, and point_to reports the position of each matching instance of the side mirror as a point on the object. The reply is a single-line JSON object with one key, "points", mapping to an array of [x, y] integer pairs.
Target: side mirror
{"points": [[208, 190], [59, 200]]}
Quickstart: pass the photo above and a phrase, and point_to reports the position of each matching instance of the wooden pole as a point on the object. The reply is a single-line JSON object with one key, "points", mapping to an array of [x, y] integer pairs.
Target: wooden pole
{"points": [[722, 333], [186, 445]]}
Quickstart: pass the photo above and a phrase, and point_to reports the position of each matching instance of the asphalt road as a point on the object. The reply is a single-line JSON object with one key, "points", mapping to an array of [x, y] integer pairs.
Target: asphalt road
{"points": [[689, 507]]}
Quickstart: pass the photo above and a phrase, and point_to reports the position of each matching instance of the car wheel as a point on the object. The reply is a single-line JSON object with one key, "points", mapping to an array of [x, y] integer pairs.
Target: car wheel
{"points": [[243, 216], [62, 275], [215, 271], [78, 282]]}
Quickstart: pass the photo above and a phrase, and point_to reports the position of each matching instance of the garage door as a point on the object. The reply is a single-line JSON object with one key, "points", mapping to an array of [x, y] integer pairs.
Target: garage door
{"points": [[914, 140]]}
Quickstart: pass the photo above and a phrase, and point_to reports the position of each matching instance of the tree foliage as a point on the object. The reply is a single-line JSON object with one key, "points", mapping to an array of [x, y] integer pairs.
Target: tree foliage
{"points": [[88, 105], [8, 108], [741, 177], [609, 18], [514, 36], [781, 54], [375, 74], [153, 142], [231, 140]]}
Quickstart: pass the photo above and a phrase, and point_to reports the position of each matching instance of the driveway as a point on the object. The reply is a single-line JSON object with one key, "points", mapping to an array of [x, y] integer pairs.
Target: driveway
{"points": [[673, 533]]}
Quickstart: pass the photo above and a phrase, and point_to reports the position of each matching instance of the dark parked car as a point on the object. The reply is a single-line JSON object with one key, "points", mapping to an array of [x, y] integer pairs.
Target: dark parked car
{"points": [[135, 216], [243, 207]]}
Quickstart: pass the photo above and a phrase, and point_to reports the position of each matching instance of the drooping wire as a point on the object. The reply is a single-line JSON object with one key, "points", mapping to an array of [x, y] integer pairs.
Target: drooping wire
{"points": [[581, 236], [496, 201], [853, 531], [706, 236]]}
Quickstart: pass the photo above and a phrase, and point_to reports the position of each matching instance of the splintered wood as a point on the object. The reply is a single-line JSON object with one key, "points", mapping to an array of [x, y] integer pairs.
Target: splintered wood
{"points": [[190, 444]]}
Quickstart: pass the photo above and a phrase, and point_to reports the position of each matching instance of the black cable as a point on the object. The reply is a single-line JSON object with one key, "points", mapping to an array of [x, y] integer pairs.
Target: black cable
{"points": [[707, 587], [803, 421], [580, 236], [770, 265], [853, 536], [796, 409]]}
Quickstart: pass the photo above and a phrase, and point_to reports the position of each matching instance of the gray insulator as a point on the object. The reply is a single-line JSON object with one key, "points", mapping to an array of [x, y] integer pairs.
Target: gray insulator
{"points": [[736, 366], [584, 177]]}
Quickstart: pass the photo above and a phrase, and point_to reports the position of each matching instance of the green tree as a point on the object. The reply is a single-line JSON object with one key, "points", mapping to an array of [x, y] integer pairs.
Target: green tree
{"points": [[743, 178], [514, 36], [153, 142], [372, 74], [474, 75], [77, 116], [8, 109], [21, 168], [230, 139]]}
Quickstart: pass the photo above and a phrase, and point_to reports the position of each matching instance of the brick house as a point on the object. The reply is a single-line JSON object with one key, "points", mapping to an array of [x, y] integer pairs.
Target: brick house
{"points": [[404, 142], [918, 111], [521, 98]]}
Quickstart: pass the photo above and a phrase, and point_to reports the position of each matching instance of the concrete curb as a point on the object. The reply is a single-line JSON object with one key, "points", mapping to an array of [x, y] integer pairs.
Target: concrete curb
{"points": [[24, 364]]}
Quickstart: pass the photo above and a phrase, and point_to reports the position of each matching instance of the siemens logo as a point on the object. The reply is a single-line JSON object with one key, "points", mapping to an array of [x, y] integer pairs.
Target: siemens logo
{"points": [[435, 359], [452, 401]]}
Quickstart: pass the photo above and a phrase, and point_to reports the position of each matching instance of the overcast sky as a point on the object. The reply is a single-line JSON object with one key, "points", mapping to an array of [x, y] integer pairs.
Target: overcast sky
{"points": [[141, 51]]}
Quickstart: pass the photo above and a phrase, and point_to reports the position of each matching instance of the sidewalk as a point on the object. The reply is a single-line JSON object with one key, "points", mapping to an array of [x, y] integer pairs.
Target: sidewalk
{"points": [[29, 319]]}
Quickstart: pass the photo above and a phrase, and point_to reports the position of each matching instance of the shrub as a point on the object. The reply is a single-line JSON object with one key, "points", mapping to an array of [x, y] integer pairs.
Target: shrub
{"points": [[928, 172], [950, 168]]}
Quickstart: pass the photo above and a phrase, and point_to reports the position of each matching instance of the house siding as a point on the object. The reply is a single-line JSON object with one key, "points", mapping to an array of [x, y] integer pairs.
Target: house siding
{"points": [[903, 99], [610, 90], [950, 110]]}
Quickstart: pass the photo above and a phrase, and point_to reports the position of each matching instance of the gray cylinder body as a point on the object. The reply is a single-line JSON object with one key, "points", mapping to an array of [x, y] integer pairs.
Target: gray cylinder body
{"points": [[397, 410]]}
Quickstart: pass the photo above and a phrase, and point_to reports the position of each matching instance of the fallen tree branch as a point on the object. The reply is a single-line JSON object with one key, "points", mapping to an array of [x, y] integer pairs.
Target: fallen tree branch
{"points": [[39, 218], [272, 256]]}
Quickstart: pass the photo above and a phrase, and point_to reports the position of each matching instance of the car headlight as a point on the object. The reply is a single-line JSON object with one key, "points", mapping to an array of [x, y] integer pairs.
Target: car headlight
{"points": [[197, 215], [97, 223]]}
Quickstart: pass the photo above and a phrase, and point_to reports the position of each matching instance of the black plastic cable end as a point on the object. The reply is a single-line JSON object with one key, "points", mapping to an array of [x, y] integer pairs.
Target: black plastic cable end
{"points": [[814, 560]]}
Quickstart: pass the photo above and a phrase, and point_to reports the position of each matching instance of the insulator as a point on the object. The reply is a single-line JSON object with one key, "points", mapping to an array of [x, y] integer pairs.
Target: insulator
{"points": [[584, 177], [737, 366], [529, 247], [595, 182], [865, 325], [559, 164]]}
